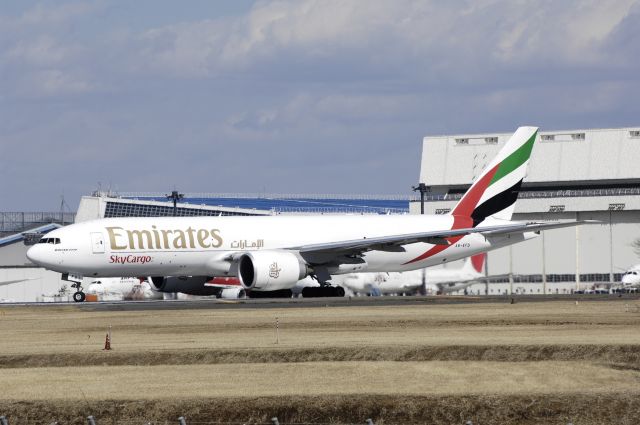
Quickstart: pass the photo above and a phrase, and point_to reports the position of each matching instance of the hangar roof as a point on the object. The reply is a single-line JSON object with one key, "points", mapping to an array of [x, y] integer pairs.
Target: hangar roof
{"points": [[593, 156]]}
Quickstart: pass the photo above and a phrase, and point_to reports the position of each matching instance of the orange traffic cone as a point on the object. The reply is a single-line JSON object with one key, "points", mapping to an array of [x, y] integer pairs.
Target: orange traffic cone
{"points": [[107, 343]]}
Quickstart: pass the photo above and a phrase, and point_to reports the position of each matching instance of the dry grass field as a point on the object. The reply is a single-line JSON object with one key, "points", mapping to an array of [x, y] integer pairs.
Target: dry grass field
{"points": [[524, 363]]}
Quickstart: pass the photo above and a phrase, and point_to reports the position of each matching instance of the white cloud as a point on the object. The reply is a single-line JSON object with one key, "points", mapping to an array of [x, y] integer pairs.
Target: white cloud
{"points": [[52, 82], [43, 51], [305, 94], [57, 13], [428, 40]]}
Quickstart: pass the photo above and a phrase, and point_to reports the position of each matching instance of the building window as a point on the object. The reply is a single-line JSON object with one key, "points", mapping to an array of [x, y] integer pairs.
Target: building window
{"points": [[578, 136], [462, 141], [548, 137], [635, 134], [491, 140]]}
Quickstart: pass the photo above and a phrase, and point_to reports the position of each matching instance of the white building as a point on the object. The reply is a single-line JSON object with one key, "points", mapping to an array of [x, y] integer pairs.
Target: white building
{"points": [[576, 174]]}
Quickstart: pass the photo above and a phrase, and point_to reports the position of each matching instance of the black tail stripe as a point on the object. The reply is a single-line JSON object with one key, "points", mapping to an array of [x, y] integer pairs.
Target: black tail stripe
{"points": [[495, 204]]}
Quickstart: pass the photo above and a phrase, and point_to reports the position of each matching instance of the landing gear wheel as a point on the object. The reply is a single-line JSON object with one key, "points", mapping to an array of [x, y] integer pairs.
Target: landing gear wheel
{"points": [[322, 291], [79, 297]]}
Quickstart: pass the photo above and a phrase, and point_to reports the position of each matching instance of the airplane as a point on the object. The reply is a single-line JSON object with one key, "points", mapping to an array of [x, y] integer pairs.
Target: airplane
{"points": [[10, 282], [447, 281], [442, 281], [123, 288], [270, 253], [133, 288], [631, 279]]}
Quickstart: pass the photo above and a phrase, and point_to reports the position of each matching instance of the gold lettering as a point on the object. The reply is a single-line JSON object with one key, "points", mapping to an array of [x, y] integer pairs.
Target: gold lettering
{"points": [[139, 234], [165, 236], [202, 238], [112, 238], [179, 242], [190, 231], [218, 239], [157, 237]]}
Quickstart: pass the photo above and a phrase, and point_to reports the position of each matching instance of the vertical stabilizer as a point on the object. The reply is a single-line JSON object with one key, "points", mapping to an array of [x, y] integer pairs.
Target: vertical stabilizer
{"points": [[494, 192]]}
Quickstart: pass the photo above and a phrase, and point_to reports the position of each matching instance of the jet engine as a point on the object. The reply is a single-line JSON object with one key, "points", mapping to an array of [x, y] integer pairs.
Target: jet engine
{"points": [[232, 293], [270, 270], [191, 285]]}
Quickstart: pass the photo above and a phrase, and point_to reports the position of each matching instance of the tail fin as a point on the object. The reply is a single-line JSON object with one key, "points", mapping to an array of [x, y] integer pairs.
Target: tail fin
{"points": [[495, 191], [475, 263]]}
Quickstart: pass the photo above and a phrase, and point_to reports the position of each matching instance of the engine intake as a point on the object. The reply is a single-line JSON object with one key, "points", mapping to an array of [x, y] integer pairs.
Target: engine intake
{"points": [[270, 270]]}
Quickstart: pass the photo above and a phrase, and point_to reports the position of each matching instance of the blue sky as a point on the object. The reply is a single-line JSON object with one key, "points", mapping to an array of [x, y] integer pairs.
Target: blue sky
{"points": [[308, 96]]}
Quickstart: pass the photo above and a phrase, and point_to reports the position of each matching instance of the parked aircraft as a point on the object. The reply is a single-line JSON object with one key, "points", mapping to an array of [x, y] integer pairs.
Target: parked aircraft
{"points": [[439, 281], [631, 278], [132, 288], [11, 282], [270, 253], [123, 288]]}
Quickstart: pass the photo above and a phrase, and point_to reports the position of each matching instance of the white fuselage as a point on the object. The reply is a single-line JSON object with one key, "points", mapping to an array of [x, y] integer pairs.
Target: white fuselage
{"points": [[203, 246]]}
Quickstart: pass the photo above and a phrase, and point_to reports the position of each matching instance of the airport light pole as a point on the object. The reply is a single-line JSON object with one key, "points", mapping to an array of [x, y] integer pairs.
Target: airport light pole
{"points": [[175, 197], [423, 189]]}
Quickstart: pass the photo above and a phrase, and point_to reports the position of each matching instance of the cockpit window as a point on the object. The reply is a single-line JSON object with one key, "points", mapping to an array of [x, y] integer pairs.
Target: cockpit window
{"points": [[54, 241]]}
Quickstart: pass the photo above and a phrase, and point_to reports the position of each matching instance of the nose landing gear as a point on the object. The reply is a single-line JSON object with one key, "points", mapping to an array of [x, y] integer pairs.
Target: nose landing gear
{"points": [[78, 296]]}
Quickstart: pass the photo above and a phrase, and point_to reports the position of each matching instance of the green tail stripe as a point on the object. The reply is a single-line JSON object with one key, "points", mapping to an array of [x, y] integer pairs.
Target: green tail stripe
{"points": [[516, 159]]}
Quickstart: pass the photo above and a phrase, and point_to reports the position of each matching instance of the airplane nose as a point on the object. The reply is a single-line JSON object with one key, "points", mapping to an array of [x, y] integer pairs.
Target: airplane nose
{"points": [[34, 254]]}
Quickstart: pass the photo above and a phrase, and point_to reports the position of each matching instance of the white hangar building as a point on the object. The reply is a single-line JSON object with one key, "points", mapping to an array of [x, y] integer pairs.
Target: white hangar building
{"points": [[575, 174]]}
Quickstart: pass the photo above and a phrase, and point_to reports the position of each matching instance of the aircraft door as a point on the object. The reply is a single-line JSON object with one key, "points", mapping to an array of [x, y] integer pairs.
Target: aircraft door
{"points": [[97, 242]]}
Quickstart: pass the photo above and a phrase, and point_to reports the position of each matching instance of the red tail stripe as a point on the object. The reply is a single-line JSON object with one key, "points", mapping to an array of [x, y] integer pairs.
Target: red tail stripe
{"points": [[470, 200], [462, 213], [459, 222]]}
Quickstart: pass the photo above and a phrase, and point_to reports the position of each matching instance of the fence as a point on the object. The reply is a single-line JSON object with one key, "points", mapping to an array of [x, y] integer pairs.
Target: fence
{"points": [[14, 222], [91, 420], [548, 194]]}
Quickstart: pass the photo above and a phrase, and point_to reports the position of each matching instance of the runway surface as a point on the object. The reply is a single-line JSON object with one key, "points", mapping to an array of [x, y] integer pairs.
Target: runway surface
{"points": [[213, 303]]}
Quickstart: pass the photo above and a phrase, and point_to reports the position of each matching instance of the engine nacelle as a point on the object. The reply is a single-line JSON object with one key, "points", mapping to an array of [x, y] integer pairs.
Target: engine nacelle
{"points": [[192, 285], [270, 270], [233, 293]]}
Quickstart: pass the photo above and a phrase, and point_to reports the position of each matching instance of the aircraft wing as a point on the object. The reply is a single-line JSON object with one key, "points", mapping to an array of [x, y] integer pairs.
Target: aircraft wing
{"points": [[9, 282], [394, 243]]}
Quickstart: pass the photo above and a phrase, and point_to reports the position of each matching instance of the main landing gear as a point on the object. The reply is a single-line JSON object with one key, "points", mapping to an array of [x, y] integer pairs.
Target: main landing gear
{"points": [[322, 291], [78, 296]]}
